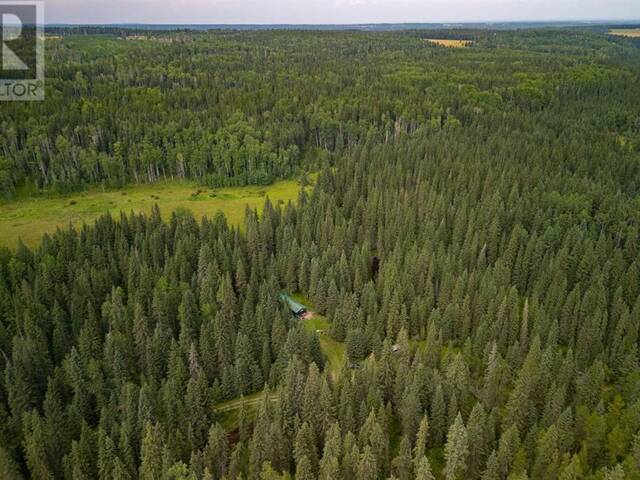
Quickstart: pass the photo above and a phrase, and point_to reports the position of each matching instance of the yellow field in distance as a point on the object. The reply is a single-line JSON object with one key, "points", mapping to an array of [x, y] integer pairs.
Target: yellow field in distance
{"points": [[449, 43], [626, 32]]}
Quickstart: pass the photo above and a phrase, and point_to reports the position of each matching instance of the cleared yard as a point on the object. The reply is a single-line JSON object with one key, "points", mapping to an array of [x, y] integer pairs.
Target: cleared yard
{"points": [[30, 218], [449, 43], [333, 350]]}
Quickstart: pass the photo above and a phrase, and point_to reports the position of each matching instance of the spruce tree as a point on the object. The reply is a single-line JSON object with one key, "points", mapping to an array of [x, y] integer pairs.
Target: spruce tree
{"points": [[423, 470], [456, 450]]}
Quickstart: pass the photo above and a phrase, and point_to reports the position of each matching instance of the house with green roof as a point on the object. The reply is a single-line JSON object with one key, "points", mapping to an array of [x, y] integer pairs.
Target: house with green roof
{"points": [[296, 308]]}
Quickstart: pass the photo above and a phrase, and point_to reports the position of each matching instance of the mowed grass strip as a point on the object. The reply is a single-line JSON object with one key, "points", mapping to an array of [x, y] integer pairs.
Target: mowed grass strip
{"points": [[626, 32], [449, 43], [334, 351], [252, 400], [29, 219]]}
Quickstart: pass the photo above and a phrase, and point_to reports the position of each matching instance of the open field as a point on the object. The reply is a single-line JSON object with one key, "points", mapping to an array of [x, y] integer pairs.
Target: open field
{"points": [[449, 43], [30, 218], [626, 32]]}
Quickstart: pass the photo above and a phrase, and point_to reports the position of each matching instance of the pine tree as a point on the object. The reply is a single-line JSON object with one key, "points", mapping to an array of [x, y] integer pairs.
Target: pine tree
{"points": [[573, 471], [402, 464], [198, 406], [151, 454], [507, 449], [547, 455], [216, 453], [330, 463], [410, 410], [456, 450], [35, 447], [476, 430], [491, 391], [615, 473], [188, 317], [305, 446], [304, 469], [82, 461], [8, 467], [519, 404], [423, 470], [238, 462], [121, 471], [367, 468], [246, 372], [492, 470], [420, 448], [224, 319], [437, 417], [635, 452]]}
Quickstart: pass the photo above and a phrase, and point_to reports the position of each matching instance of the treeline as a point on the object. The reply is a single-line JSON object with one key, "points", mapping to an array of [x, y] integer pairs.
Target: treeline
{"points": [[235, 108], [486, 280]]}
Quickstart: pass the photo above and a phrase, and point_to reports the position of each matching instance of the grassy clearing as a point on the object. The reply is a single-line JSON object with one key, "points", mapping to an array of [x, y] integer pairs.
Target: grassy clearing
{"points": [[249, 401], [333, 351], [626, 32], [230, 411], [449, 43], [30, 218]]}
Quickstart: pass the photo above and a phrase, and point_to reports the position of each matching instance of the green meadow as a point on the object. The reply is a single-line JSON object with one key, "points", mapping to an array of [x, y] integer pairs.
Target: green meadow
{"points": [[29, 218]]}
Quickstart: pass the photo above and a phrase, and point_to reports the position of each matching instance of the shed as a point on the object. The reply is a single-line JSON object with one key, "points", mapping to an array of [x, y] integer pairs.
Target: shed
{"points": [[296, 308]]}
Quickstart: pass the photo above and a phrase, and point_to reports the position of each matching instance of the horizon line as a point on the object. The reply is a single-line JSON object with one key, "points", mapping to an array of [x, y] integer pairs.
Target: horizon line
{"points": [[465, 22]]}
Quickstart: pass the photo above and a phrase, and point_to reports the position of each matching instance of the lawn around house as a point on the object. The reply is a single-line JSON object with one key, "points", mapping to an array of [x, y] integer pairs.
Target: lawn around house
{"points": [[30, 218], [334, 351]]}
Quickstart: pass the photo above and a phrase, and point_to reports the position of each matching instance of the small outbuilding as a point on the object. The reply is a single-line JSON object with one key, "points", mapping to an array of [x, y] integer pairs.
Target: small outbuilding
{"points": [[296, 308]]}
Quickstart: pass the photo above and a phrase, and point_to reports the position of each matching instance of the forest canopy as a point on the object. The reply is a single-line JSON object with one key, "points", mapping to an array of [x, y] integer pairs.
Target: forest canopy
{"points": [[470, 249], [235, 108]]}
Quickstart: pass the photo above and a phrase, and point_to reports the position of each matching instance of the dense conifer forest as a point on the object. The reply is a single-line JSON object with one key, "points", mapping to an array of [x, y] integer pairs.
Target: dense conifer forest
{"points": [[472, 237]]}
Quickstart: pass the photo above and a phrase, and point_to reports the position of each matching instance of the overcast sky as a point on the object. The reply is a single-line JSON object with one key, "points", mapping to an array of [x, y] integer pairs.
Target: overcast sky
{"points": [[334, 11]]}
